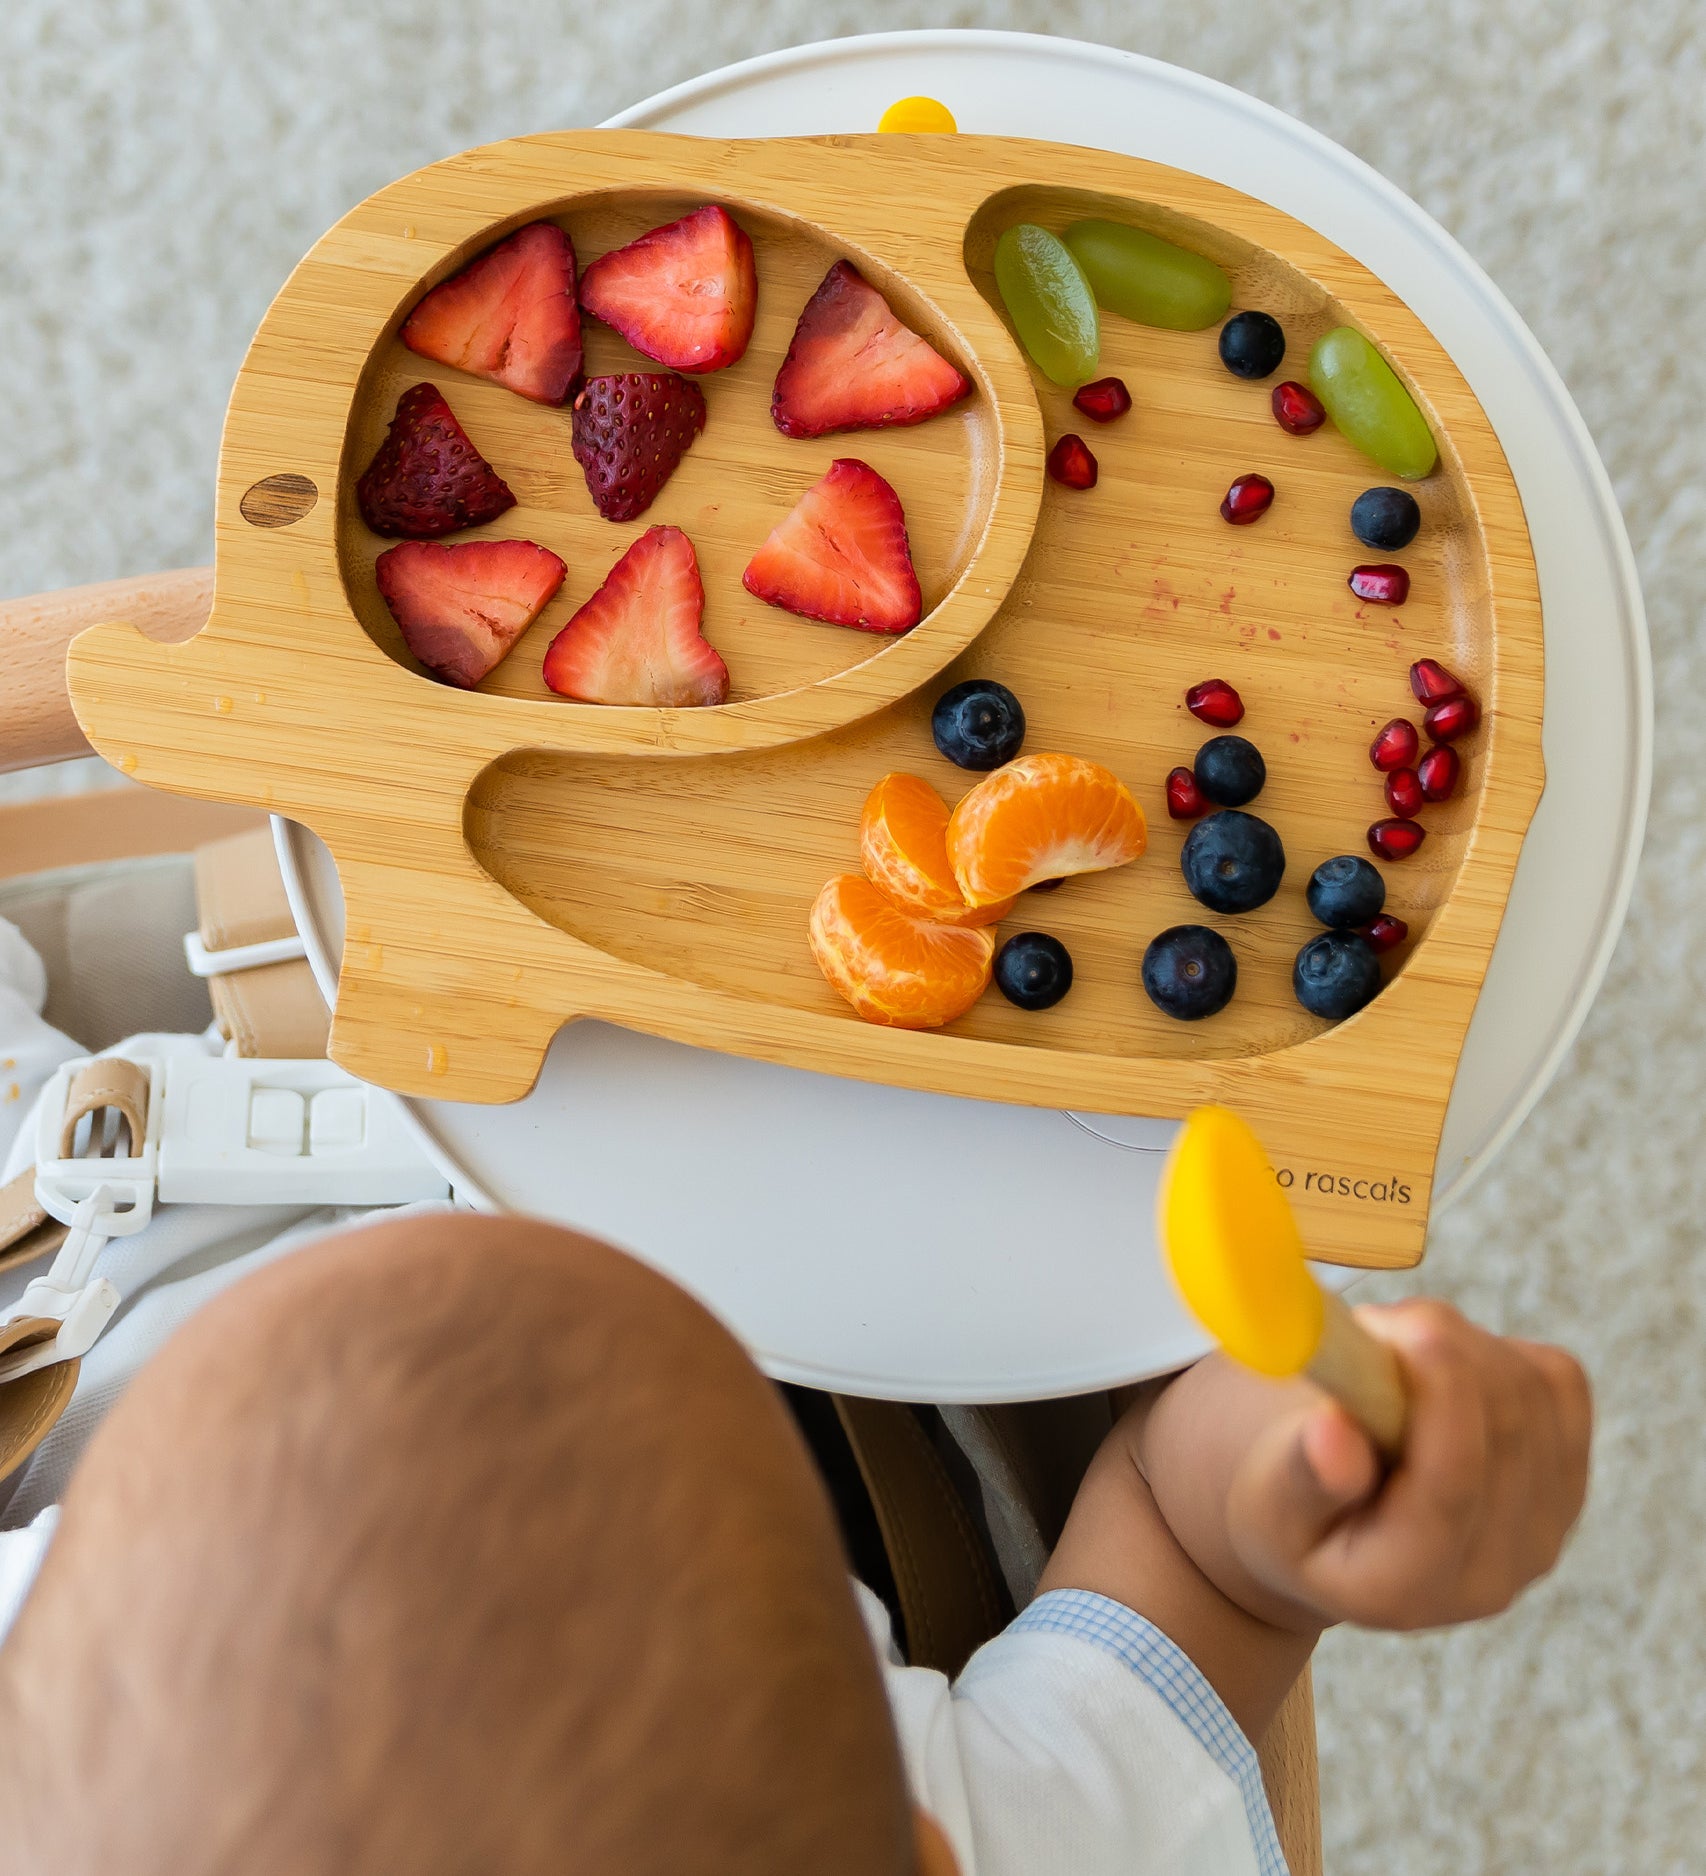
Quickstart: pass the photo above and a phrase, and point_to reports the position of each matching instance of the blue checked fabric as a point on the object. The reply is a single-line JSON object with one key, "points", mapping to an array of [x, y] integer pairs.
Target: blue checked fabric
{"points": [[1123, 1633]]}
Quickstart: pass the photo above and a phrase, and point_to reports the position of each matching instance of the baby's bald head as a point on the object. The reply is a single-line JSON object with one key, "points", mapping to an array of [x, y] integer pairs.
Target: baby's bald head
{"points": [[455, 1545]]}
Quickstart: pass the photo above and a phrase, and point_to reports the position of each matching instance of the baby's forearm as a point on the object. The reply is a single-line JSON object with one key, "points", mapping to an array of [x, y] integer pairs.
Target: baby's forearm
{"points": [[1121, 1541]]}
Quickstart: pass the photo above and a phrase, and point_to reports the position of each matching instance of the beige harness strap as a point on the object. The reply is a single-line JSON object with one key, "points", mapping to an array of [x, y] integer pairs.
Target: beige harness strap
{"points": [[26, 1231], [272, 1010], [26, 1332], [30, 1408], [108, 1082], [31, 1404], [269, 1009], [108, 1085]]}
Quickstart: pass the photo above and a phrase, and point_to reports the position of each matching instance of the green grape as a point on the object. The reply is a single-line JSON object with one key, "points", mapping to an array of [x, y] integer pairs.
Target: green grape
{"points": [[1365, 399], [1147, 279], [1050, 302]]}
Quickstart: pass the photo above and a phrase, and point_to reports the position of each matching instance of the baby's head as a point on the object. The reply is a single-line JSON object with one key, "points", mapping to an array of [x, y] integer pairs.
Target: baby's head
{"points": [[453, 1545]]}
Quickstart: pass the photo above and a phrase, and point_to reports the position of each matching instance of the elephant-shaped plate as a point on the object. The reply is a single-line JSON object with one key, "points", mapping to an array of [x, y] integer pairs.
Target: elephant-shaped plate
{"points": [[512, 861]]}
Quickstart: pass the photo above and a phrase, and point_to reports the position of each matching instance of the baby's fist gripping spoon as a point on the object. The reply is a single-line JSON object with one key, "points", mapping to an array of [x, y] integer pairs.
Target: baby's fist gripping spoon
{"points": [[1233, 1247]]}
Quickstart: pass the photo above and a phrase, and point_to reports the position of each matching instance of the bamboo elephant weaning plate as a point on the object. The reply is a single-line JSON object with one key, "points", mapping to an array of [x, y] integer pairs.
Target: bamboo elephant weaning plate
{"points": [[512, 861]]}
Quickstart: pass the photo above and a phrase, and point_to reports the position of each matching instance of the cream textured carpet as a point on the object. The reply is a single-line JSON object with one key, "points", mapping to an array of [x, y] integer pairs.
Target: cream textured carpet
{"points": [[164, 162]]}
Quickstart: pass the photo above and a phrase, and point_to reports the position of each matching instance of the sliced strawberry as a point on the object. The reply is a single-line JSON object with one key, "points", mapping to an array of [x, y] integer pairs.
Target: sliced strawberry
{"points": [[842, 555], [637, 640], [685, 294], [854, 366], [510, 316], [427, 478], [631, 431], [462, 608]]}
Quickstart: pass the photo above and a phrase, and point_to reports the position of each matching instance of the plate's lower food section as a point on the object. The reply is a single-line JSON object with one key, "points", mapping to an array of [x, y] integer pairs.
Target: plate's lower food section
{"points": [[1171, 734]]}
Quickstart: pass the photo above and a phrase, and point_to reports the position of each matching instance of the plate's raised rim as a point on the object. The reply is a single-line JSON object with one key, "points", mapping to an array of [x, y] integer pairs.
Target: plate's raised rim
{"points": [[653, 112]]}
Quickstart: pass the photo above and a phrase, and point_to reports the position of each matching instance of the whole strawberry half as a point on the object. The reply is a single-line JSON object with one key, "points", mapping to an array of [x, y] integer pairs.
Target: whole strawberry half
{"points": [[631, 430], [853, 365], [427, 478], [510, 316], [462, 608], [842, 555], [685, 294], [637, 640]]}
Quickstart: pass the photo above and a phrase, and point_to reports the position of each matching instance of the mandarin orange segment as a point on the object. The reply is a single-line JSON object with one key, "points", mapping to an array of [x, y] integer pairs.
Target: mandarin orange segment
{"points": [[1041, 817], [903, 843], [892, 966]]}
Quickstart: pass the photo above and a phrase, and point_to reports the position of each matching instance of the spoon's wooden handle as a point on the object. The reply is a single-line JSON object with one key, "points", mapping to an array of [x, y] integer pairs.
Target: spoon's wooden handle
{"points": [[36, 721], [1362, 1375]]}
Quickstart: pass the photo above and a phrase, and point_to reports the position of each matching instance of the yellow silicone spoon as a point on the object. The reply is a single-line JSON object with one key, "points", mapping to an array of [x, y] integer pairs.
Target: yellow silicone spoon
{"points": [[1233, 1247]]}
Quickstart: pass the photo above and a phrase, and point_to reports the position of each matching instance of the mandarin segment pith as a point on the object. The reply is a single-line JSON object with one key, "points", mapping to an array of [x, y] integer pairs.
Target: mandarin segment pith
{"points": [[1041, 817], [903, 846]]}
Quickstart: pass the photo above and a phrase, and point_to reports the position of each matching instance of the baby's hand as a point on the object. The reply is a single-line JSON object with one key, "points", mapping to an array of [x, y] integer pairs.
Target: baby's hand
{"points": [[1241, 1515], [1492, 1477]]}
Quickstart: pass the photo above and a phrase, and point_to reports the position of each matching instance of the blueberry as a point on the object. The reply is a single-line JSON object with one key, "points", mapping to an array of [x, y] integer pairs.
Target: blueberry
{"points": [[1336, 974], [1252, 344], [1385, 518], [978, 724], [1346, 892], [1230, 771], [1233, 862], [1033, 970], [1190, 972]]}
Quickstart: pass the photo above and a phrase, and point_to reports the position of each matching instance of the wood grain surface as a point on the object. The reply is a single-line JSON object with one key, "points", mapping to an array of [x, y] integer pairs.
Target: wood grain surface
{"points": [[1291, 1774], [511, 861], [37, 723]]}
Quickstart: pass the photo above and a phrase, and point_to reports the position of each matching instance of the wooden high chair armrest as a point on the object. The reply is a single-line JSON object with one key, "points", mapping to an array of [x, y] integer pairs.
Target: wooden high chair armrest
{"points": [[36, 724]]}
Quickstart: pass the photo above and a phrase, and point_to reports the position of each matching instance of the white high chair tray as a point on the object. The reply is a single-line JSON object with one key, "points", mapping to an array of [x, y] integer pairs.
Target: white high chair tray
{"points": [[1008, 1252]]}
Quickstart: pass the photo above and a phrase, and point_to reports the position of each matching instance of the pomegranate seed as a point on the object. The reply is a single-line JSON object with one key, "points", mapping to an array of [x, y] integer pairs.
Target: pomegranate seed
{"points": [[1457, 716], [1102, 401], [1385, 931], [1070, 462], [1395, 746], [1395, 840], [1297, 408], [1248, 499], [1432, 682], [1438, 771], [1215, 701], [1404, 793], [1381, 586], [1185, 800]]}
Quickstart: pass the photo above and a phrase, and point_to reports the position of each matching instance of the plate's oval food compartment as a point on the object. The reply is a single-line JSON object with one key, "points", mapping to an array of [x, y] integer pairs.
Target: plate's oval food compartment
{"points": [[722, 476], [1206, 619]]}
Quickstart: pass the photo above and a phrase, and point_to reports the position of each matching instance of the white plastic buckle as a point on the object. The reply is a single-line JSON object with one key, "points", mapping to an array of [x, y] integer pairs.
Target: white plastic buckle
{"points": [[63, 1184], [240, 1130], [207, 963], [66, 1295], [221, 1130]]}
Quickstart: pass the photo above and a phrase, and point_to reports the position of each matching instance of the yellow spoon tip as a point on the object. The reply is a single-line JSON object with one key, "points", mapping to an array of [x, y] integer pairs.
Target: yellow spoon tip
{"points": [[918, 114], [1233, 1246]]}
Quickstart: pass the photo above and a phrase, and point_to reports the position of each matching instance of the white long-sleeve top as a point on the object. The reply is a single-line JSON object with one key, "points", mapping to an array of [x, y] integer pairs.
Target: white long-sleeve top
{"points": [[1079, 1742]]}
